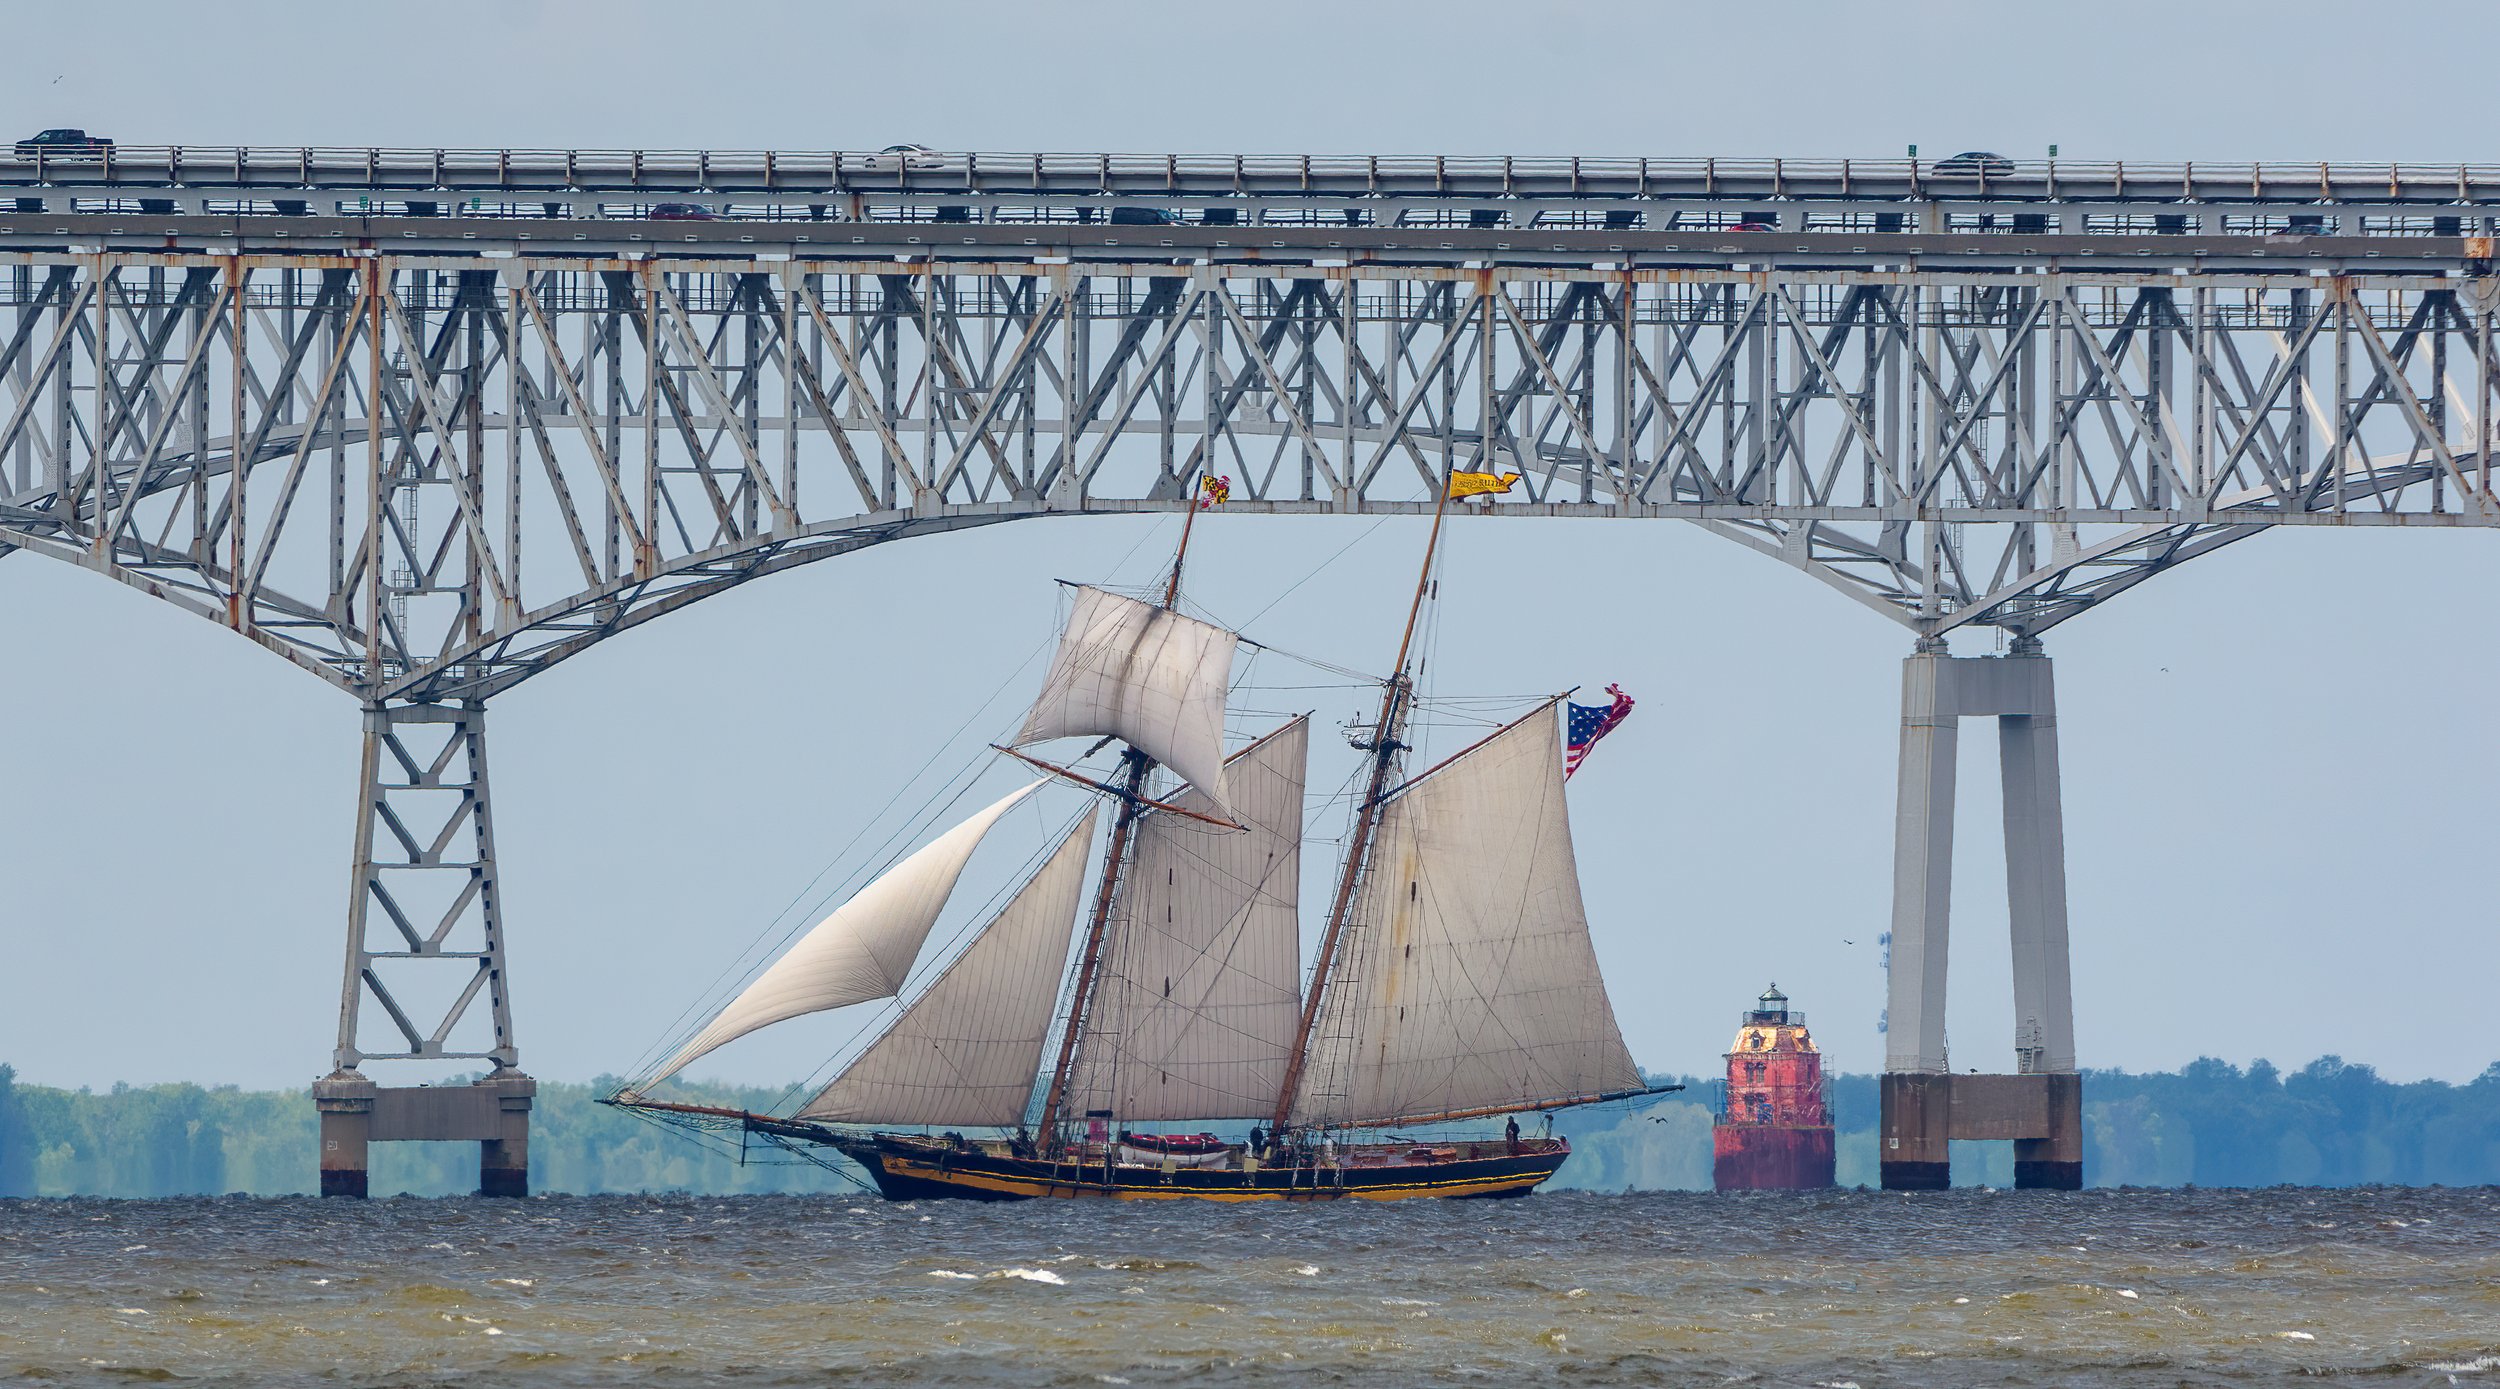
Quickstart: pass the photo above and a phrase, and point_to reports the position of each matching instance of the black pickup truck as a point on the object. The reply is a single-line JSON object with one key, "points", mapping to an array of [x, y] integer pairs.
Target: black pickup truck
{"points": [[63, 144]]}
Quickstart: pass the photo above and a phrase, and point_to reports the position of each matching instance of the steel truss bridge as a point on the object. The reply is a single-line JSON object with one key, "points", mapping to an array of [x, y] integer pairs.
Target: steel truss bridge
{"points": [[428, 448]]}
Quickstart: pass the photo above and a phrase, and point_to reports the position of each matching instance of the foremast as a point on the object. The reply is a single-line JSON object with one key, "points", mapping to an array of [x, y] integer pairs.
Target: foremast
{"points": [[1130, 802]]}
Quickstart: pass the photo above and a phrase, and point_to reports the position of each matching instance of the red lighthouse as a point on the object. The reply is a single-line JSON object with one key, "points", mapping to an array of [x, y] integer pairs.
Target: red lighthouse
{"points": [[1774, 1132]]}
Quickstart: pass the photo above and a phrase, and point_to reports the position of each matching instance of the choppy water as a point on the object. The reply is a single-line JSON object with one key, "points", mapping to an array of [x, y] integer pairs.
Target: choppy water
{"points": [[2380, 1287]]}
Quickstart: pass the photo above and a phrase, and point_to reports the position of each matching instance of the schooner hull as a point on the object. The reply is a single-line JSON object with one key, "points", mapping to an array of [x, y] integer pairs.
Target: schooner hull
{"points": [[912, 1169]]}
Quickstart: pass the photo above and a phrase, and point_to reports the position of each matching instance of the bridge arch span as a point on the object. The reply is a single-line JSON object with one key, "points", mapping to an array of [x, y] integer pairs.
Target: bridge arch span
{"points": [[464, 463]]}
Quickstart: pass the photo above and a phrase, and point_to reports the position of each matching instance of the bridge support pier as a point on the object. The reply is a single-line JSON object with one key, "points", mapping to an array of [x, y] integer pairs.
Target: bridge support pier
{"points": [[425, 941], [1925, 1106]]}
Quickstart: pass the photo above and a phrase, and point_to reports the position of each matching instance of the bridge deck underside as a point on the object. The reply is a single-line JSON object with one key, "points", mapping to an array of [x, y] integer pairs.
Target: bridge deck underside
{"points": [[2005, 446]]}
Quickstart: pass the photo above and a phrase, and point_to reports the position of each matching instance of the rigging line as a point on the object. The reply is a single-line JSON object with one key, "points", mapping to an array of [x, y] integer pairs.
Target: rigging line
{"points": [[1209, 615], [1144, 534], [889, 1014], [967, 933], [709, 1141], [1291, 589], [753, 955], [1353, 676], [751, 959], [686, 1134], [747, 960], [838, 1167], [1439, 701], [1199, 1018], [1457, 963], [1315, 572], [1443, 563]]}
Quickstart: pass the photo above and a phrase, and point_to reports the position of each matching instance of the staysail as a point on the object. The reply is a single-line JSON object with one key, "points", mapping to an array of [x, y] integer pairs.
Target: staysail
{"points": [[1200, 990], [966, 1050], [1469, 981], [1146, 675], [860, 952]]}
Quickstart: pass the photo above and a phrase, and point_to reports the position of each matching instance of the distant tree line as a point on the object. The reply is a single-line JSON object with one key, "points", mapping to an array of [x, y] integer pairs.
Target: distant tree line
{"points": [[180, 1140], [2208, 1124], [2330, 1123]]}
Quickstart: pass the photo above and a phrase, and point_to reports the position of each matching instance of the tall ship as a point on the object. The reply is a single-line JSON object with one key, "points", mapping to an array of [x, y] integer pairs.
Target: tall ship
{"points": [[1113, 1005]]}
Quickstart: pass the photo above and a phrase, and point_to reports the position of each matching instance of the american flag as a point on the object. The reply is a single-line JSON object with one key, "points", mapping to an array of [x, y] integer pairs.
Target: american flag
{"points": [[1588, 723]]}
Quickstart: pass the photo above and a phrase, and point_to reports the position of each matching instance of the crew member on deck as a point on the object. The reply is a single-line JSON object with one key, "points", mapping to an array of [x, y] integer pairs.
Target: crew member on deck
{"points": [[1510, 1134]]}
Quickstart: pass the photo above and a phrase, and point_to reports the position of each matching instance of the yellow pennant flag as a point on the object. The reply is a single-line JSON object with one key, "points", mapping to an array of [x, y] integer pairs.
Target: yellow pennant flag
{"points": [[1480, 484]]}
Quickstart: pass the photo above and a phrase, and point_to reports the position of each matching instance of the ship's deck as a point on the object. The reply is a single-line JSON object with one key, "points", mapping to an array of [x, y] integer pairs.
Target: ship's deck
{"points": [[910, 1167]]}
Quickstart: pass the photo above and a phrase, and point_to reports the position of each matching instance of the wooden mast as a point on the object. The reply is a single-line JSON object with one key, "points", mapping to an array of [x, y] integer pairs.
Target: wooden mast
{"points": [[1131, 794], [1088, 969], [1396, 701]]}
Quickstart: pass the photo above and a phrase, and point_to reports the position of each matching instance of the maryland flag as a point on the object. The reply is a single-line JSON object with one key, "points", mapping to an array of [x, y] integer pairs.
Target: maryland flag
{"points": [[1480, 484], [1214, 491]]}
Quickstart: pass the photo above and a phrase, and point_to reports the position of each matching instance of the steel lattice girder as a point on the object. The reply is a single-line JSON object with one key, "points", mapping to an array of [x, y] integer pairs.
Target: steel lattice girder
{"points": [[424, 893], [2004, 448]]}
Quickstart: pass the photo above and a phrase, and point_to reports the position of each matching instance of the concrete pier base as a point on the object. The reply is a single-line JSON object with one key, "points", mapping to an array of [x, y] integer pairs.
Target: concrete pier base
{"points": [[1772, 1157], [2054, 1161], [345, 1100], [1917, 1120], [1925, 1106], [2042, 1115], [494, 1113], [503, 1164]]}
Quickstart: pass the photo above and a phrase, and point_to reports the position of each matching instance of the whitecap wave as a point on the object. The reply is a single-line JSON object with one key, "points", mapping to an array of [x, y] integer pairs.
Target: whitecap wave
{"points": [[1029, 1275]]}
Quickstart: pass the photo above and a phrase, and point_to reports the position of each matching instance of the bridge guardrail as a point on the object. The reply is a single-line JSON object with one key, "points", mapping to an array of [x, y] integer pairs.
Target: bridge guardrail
{"points": [[1215, 175]]}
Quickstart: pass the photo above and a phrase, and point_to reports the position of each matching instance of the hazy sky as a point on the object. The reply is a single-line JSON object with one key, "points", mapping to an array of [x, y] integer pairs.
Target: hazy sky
{"points": [[2279, 759]]}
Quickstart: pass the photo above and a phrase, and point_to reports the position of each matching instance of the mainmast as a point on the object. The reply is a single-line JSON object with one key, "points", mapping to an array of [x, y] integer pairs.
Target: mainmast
{"points": [[1131, 796], [1387, 741]]}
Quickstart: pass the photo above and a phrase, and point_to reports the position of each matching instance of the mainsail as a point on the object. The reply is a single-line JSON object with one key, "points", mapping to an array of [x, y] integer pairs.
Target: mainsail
{"points": [[1145, 675], [1470, 982], [965, 1051], [860, 952], [1195, 1011]]}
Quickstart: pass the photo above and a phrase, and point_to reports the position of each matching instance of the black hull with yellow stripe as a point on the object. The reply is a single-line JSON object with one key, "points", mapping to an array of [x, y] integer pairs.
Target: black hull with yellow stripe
{"points": [[908, 1167]]}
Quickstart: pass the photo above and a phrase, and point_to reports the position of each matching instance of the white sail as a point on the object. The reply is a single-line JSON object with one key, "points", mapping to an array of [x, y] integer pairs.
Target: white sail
{"points": [[860, 952], [966, 1051], [1145, 675], [1466, 979], [1198, 997]]}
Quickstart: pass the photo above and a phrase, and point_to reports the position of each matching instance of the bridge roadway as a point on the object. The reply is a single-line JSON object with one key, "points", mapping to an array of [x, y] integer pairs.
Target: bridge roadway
{"points": [[1835, 195], [341, 436], [460, 234]]}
